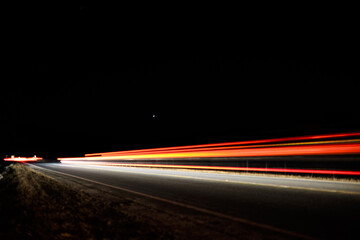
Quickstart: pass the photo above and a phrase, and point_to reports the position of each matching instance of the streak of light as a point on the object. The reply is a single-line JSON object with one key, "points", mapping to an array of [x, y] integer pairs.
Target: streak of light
{"points": [[290, 146], [286, 139], [23, 159], [325, 149], [125, 153], [251, 169]]}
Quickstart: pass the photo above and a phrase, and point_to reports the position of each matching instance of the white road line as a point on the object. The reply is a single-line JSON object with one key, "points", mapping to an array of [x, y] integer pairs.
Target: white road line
{"points": [[221, 215], [228, 173], [232, 181]]}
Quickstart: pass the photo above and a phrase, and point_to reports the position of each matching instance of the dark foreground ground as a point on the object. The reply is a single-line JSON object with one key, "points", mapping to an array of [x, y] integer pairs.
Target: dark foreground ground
{"points": [[35, 206]]}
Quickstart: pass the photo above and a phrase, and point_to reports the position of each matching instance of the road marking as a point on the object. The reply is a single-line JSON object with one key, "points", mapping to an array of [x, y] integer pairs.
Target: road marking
{"points": [[235, 182], [222, 173], [221, 215]]}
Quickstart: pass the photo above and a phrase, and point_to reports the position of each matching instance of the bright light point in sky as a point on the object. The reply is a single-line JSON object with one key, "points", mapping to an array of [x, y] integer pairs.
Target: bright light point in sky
{"points": [[154, 115]]}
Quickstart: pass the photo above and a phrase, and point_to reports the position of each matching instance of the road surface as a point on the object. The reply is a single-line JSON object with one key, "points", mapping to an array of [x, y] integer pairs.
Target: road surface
{"points": [[296, 207]]}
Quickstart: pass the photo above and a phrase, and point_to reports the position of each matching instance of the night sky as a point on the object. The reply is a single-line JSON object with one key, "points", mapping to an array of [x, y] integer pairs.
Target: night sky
{"points": [[89, 78]]}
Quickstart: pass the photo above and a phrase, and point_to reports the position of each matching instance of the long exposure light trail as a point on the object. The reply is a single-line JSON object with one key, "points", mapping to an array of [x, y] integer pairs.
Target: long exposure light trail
{"points": [[324, 145], [23, 159], [125, 153], [286, 139], [326, 149], [250, 169]]}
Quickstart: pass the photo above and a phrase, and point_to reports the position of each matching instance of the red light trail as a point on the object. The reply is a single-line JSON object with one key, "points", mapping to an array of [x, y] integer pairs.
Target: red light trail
{"points": [[254, 148], [193, 150], [287, 139]]}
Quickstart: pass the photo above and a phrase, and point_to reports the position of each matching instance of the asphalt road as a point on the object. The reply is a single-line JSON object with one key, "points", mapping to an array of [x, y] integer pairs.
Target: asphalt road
{"points": [[297, 207]]}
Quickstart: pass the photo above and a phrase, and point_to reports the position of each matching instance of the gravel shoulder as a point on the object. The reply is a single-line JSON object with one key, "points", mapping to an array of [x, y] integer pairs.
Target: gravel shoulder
{"points": [[34, 205]]}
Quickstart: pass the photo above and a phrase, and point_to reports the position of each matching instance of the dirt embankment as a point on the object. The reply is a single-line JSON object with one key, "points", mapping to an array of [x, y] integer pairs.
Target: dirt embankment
{"points": [[35, 206]]}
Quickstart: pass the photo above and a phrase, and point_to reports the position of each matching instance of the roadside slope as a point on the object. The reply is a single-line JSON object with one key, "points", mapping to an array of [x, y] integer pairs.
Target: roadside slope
{"points": [[36, 206]]}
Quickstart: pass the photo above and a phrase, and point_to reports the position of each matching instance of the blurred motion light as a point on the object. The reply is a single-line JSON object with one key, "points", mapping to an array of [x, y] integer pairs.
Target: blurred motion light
{"points": [[326, 144], [22, 159]]}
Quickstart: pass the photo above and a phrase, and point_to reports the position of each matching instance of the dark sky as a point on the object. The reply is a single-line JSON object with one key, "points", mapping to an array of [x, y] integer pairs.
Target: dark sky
{"points": [[89, 78]]}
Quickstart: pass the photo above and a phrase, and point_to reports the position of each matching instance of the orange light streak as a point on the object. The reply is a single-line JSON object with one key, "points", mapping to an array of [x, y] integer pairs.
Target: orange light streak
{"points": [[325, 149], [339, 135], [290, 146], [125, 153]]}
